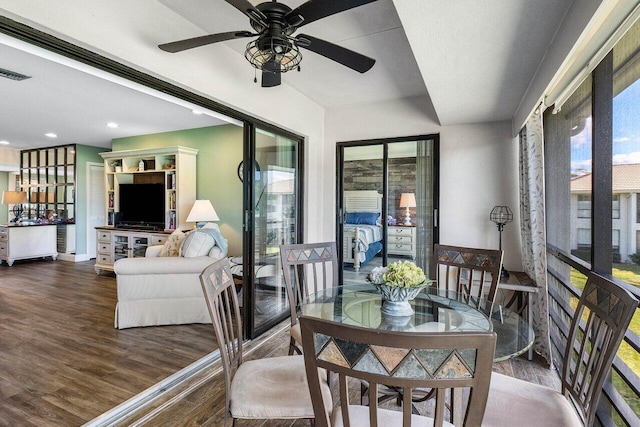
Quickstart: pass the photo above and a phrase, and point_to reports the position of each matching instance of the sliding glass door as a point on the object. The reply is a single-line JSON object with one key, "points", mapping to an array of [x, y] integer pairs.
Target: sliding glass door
{"points": [[272, 219], [387, 203]]}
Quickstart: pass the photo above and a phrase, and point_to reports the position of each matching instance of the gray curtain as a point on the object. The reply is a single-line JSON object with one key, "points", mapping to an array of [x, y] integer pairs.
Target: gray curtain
{"points": [[533, 230], [424, 202]]}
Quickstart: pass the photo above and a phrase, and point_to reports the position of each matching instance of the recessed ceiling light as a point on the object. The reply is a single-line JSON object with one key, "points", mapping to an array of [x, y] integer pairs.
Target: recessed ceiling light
{"points": [[4, 142], [112, 125], [51, 135], [196, 112]]}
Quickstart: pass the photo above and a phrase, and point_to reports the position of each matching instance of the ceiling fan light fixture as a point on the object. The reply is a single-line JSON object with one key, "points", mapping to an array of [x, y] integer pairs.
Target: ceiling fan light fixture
{"points": [[273, 54]]}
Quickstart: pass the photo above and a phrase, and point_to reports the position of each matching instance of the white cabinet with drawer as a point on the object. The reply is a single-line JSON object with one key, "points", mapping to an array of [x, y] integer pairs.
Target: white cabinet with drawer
{"points": [[27, 241], [113, 244], [401, 240]]}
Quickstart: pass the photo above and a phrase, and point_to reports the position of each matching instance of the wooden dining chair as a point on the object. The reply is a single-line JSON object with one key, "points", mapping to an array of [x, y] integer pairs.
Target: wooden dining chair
{"points": [[599, 323], [470, 272], [307, 268], [270, 388], [458, 361]]}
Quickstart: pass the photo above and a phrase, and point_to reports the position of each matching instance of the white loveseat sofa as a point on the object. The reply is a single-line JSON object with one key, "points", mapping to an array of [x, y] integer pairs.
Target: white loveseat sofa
{"points": [[164, 290]]}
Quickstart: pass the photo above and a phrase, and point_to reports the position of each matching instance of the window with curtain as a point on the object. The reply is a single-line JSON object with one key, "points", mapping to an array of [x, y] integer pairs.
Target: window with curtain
{"points": [[592, 162]]}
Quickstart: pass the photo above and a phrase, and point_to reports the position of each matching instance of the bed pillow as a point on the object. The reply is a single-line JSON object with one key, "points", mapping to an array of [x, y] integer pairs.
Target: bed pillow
{"points": [[197, 244], [370, 218], [171, 246]]}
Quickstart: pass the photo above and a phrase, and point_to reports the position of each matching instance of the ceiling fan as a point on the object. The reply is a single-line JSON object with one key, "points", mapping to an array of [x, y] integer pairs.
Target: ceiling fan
{"points": [[276, 51]]}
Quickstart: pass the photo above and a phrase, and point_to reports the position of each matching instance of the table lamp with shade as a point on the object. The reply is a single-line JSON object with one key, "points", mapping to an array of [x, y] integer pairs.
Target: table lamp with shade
{"points": [[15, 198], [202, 212], [501, 215], [407, 200]]}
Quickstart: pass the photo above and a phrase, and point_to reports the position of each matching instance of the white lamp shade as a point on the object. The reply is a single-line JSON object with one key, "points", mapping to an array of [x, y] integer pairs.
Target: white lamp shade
{"points": [[408, 200], [14, 197], [202, 211]]}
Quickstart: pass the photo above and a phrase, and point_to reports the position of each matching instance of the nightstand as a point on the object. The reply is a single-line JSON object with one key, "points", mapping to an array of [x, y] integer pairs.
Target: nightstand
{"points": [[401, 240]]}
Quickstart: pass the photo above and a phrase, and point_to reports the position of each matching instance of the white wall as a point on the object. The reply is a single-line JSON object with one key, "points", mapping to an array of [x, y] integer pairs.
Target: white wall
{"points": [[478, 162], [478, 169], [9, 159]]}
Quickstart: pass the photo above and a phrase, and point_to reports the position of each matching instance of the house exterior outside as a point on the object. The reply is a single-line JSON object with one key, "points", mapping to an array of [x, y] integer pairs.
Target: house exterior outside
{"points": [[625, 212]]}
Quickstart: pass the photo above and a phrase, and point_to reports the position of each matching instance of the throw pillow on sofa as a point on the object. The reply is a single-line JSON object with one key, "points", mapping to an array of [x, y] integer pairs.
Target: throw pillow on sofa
{"points": [[196, 244], [172, 246]]}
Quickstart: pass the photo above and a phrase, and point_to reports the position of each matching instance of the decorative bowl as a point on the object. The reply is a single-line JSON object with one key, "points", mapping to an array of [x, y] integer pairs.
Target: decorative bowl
{"points": [[395, 300]]}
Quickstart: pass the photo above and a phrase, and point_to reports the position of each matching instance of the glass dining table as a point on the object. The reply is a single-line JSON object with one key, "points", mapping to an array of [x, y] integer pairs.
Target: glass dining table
{"points": [[434, 311]]}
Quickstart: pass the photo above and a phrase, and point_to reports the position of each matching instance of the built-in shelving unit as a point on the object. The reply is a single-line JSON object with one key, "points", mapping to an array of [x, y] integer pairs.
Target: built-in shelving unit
{"points": [[174, 167]]}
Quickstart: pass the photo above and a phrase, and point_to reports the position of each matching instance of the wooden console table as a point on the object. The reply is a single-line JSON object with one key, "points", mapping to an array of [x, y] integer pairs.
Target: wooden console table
{"points": [[27, 241]]}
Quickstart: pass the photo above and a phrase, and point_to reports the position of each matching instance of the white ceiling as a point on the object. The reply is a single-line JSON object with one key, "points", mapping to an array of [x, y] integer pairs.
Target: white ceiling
{"points": [[474, 58], [77, 106]]}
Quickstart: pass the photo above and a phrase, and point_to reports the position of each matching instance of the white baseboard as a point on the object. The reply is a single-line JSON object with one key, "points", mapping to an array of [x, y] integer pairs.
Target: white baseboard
{"points": [[73, 257]]}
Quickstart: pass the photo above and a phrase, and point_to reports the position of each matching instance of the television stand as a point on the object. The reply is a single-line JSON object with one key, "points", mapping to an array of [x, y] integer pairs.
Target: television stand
{"points": [[116, 243]]}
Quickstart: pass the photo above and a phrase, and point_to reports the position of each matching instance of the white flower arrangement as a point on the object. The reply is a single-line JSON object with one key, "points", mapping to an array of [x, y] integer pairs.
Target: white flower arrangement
{"points": [[401, 274]]}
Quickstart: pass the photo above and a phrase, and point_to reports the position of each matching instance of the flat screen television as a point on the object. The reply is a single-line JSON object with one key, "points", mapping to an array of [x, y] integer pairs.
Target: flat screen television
{"points": [[142, 205]]}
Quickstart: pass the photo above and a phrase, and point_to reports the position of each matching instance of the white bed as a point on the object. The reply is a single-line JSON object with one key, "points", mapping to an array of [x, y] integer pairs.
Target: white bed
{"points": [[357, 238]]}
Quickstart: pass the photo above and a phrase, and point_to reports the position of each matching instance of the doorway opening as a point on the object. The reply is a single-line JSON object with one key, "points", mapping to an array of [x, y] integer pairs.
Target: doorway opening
{"points": [[387, 203]]}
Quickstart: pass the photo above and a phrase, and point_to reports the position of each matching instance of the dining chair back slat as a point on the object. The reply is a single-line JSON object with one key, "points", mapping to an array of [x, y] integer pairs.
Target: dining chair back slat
{"points": [[307, 269], [258, 388], [442, 361], [222, 301], [600, 321], [470, 272]]}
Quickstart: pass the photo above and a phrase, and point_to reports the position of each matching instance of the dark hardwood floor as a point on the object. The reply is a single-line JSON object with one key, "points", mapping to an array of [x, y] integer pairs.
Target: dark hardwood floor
{"points": [[62, 363], [61, 360]]}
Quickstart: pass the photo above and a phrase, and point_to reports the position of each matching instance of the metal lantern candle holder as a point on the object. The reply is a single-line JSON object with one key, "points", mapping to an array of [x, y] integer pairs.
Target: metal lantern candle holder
{"points": [[501, 215]]}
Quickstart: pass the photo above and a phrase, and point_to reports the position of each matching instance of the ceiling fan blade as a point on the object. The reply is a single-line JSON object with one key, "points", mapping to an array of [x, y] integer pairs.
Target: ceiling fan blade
{"points": [[181, 45], [341, 55], [313, 10], [270, 79], [247, 8]]}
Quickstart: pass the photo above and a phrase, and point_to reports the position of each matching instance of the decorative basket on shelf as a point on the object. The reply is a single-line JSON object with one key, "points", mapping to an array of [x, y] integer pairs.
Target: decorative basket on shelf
{"points": [[398, 283]]}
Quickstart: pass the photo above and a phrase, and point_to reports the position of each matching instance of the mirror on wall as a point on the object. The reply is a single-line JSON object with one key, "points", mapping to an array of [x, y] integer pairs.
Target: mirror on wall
{"points": [[48, 176]]}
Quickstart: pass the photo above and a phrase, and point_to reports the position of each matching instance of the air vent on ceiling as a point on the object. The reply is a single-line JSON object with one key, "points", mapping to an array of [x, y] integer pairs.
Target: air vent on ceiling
{"points": [[12, 75]]}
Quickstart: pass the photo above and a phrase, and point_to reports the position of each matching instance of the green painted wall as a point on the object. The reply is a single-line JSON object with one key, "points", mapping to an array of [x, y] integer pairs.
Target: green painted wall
{"points": [[84, 155], [220, 153], [4, 209]]}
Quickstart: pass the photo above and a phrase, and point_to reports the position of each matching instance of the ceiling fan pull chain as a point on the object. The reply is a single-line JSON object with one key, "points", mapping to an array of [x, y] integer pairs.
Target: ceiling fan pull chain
{"points": [[255, 76]]}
